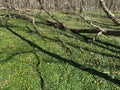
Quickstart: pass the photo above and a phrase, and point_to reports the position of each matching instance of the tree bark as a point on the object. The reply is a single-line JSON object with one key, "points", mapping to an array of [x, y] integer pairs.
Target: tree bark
{"points": [[95, 30], [107, 32], [109, 13], [76, 31]]}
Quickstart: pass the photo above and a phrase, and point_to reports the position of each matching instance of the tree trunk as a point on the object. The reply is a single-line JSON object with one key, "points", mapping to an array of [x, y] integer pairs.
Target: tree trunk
{"points": [[107, 32], [109, 13], [55, 24]]}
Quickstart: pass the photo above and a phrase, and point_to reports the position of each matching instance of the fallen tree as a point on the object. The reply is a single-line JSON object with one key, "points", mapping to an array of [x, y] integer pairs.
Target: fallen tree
{"points": [[96, 29], [109, 13], [57, 24], [19, 14], [106, 32]]}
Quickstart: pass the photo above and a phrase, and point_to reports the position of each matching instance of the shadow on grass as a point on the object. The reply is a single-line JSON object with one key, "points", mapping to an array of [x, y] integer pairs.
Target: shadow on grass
{"points": [[99, 43], [29, 30], [15, 54], [86, 38], [87, 49], [70, 62], [95, 51], [39, 73], [105, 24], [10, 25]]}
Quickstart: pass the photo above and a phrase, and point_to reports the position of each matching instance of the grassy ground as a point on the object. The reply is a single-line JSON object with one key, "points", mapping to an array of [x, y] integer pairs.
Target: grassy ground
{"points": [[57, 60]]}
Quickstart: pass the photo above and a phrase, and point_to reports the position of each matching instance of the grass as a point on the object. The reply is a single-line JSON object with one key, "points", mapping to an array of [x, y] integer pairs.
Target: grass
{"points": [[81, 67]]}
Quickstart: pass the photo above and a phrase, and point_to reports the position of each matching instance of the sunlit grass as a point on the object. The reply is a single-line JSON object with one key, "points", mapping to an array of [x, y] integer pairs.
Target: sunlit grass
{"points": [[18, 60]]}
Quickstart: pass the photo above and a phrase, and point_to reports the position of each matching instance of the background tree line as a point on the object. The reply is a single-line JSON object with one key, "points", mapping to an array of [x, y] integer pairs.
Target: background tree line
{"points": [[61, 4]]}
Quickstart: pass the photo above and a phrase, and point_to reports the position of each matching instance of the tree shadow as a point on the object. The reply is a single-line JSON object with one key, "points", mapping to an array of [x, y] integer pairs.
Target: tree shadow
{"points": [[104, 24], [70, 62], [95, 51], [15, 54], [29, 30], [91, 50], [39, 72], [101, 44], [10, 25]]}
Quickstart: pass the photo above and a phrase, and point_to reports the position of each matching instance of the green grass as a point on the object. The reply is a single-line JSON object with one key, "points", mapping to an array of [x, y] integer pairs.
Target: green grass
{"points": [[21, 49]]}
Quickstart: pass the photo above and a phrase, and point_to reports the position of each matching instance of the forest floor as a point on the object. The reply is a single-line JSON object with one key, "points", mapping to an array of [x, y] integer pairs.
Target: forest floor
{"points": [[56, 59]]}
